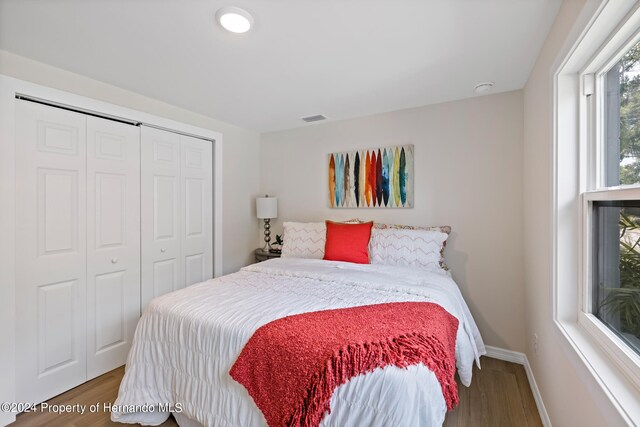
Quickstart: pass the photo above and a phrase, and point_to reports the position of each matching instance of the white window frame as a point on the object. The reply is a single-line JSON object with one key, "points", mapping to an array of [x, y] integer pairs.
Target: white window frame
{"points": [[609, 29], [593, 188]]}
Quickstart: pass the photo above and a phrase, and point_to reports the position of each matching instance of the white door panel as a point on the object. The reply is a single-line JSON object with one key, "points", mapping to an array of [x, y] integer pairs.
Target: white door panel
{"points": [[165, 276], [195, 269], [161, 213], [166, 207], [110, 315], [113, 242], [50, 251], [56, 318], [177, 236], [197, 229], [58, 216]]}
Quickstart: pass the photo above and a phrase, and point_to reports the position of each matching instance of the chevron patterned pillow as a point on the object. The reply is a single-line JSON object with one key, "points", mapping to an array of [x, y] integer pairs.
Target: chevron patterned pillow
{"points": [[304, 240], [407, 246]]}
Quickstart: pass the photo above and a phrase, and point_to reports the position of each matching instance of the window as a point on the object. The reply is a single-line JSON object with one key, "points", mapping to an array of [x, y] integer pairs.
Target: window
{"points": [[610, 307], [596, 203], [614, 219]]}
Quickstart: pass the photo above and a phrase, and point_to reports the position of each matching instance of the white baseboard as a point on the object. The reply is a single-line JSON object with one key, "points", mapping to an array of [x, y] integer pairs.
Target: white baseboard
{"points": [[506, 355], [521, 359]]}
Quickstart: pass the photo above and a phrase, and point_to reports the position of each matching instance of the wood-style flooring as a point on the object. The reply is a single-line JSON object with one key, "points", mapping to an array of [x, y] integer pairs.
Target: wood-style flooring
{"points": [[499, 396]]}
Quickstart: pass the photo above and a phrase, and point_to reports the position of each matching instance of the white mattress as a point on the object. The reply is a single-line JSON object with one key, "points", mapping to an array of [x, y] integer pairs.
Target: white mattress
{"points": [[187, 341]]}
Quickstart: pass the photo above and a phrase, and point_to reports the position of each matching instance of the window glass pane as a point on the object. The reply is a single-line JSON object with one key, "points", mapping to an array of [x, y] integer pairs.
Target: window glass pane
{"points": [[622, 120], [616, 260]]}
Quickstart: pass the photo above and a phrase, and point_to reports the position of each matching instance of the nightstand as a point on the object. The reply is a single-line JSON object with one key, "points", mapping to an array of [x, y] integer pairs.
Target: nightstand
{"points": [[262, 255]]}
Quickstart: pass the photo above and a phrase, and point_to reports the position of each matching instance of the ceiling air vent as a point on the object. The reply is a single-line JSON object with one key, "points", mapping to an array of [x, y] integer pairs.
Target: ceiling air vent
{"points": [[315, 118]]}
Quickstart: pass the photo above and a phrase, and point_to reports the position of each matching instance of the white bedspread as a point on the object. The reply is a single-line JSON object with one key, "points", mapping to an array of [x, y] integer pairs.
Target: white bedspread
{"points": [[187, 341]]}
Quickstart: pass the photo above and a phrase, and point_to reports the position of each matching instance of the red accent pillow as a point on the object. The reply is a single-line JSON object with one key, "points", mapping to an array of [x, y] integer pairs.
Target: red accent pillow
{"points": [[348, 242]]}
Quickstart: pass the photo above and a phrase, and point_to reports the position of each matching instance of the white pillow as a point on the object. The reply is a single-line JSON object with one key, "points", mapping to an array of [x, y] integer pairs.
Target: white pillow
{"points": [[394, 246], [304, 240]]}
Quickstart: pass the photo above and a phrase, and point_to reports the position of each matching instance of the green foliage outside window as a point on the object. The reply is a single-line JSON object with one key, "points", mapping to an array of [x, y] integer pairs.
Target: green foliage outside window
{"points": [[625, 300], [630, 116]]}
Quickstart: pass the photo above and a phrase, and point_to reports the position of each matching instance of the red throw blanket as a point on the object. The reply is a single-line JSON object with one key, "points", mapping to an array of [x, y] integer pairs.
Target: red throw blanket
{"points": [[292, 366]]}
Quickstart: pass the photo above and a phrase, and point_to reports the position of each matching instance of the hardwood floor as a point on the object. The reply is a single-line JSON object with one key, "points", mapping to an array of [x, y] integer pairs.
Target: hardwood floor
{"points": [[499, 396], [99, 390]]}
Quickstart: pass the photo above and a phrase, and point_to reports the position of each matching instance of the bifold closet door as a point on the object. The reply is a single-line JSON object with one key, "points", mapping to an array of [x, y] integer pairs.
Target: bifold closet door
{"points": [[113, 242], [197, 230], [177, 237], [161, 213], [77, 247], [50, 251]]}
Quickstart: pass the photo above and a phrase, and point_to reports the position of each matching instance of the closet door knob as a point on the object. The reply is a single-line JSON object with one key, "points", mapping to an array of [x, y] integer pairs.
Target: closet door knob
{"points": [[114, 260], [163, 250]]}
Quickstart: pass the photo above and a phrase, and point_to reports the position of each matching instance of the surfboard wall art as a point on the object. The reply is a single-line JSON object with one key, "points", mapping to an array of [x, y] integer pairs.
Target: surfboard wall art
{"points": [[374, 178]]}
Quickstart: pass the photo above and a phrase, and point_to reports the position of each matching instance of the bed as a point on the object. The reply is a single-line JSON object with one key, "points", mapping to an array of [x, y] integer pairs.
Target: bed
{"points": [[186, 343]]}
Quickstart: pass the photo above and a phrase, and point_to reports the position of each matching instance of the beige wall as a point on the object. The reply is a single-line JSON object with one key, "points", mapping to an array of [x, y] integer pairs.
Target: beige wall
{"points": [[468, 162], [564, 390], [240, 147]]}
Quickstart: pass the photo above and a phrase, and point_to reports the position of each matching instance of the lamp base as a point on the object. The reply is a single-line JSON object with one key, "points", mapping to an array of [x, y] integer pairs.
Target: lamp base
{"points": [[267, 235]]}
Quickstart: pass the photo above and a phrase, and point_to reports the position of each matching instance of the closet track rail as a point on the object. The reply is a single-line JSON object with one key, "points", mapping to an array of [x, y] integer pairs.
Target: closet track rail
{"points": [[94, 113]]}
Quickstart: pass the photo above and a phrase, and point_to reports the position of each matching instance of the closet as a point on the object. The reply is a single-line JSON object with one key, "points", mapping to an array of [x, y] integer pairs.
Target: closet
{"points": [[177, 212], [108, 216]]}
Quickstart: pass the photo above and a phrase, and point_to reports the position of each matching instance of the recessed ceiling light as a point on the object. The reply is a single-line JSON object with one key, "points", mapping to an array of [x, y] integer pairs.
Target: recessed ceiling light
{"points": [[483, 87], [234, 19]]}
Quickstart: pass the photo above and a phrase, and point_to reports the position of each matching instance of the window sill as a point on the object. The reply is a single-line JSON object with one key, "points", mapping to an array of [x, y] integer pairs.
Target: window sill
{"points": [[623, 356], [622, 394]]}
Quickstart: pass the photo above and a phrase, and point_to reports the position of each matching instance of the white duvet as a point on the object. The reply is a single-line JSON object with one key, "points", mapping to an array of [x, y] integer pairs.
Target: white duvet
{"points": [[187, 341]]}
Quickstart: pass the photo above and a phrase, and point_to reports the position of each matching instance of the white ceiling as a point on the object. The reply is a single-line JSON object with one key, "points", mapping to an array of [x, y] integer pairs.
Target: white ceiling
{"points": [[340, 58]]}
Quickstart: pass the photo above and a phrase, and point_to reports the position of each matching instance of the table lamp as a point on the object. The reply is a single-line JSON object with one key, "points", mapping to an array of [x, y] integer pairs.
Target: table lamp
{"points": [[267, 209]]}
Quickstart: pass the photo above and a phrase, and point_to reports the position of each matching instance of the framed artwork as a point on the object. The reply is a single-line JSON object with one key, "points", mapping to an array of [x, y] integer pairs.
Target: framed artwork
{"points": [[372, 178]]}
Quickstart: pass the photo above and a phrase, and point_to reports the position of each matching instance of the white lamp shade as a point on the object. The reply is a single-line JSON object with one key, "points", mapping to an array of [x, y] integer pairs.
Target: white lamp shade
{"points": [[266, 207]]}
